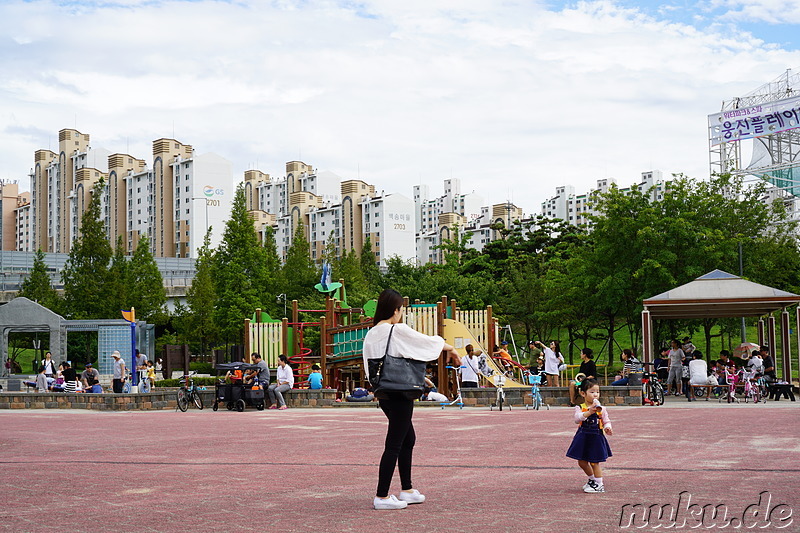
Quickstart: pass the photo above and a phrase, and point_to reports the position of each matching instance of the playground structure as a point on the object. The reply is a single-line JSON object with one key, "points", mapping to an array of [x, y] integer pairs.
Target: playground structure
{"points": [[342, 331]]}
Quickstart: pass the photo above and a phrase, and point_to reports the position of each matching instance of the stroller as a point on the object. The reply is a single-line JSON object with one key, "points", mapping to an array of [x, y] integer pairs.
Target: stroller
{"points": [[237, 394]]}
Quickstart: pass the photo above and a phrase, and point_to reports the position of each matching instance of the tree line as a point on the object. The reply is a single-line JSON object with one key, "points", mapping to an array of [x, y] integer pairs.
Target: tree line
{"points": [[545, 277]]}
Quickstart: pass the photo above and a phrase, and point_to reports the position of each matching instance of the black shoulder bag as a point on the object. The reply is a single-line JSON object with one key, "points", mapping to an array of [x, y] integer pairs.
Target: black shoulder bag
{"points": [[390, 373]]}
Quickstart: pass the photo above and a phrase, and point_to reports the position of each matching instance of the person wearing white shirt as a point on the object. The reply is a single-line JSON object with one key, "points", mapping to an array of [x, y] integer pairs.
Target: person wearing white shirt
{"points": [[398, 406], [469, 368], [285, 382]]}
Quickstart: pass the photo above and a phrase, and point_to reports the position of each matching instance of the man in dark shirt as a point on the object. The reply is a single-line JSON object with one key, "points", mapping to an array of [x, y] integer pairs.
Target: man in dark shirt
{"points": [[769, 365]]}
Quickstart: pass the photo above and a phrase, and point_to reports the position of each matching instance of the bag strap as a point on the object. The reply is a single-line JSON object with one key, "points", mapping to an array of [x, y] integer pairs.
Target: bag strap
{"points": [[386, 353]]}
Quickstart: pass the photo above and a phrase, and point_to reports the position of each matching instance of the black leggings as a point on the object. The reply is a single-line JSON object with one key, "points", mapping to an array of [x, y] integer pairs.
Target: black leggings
{"points": [[400, 439]]}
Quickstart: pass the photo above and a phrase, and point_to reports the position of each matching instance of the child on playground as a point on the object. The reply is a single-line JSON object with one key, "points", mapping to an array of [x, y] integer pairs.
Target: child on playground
{"points": [[315, 377], [589, 446], [151, 374]]}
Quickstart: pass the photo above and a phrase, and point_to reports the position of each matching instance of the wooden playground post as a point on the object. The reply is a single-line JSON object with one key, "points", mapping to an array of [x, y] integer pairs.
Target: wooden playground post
{"points": [[285, 333], [246, 335], [444, 383], [323, 348], [489, 331]]}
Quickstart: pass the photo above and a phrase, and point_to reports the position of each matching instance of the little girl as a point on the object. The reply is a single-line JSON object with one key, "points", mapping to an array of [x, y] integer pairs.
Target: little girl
{"points": [[589, 446]]}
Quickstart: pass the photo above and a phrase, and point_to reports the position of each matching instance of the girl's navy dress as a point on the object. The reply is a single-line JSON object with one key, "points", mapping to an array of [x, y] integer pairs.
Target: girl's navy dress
{"points": [[590, 443]]}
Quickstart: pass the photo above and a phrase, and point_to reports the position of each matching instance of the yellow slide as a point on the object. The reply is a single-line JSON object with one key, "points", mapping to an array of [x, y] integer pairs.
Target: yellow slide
{"points": [[456, 334]]}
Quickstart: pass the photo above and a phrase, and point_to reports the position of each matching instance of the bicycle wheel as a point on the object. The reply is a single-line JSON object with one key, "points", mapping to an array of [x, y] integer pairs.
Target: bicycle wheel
{"points": [[756, 393], [658, 394], [537, 401], [645, 393], [198, 400], [126, 388], [500, 399], [183, 399], [144, 386]]}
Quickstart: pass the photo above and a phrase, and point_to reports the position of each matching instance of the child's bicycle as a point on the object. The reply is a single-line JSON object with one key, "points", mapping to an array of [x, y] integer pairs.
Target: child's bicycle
{"points": [[652, 390], [752, 390], [499, 382], [536, 397], [188, 393], [729, 389]]}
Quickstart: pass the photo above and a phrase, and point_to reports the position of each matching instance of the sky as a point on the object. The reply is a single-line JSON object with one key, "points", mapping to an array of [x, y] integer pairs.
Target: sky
{"points": [[514, 98]]}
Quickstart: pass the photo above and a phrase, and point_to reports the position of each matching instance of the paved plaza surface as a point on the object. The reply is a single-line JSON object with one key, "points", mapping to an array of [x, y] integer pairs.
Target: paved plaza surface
{"points": [[316, 469]]}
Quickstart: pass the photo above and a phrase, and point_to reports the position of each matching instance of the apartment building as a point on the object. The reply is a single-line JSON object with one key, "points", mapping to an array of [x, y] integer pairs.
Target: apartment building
{"points": [[10, 201], [331, 209], [174, 202], [23, 221], [576, 208]]}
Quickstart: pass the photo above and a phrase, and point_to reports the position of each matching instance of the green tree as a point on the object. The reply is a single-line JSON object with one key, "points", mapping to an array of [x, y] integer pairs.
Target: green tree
{"points": [[369, 269], [146, 290], [299, 272], [86, 272], [274, 275], [37, 285], [239, 271], [201, 299], [119, 277]]}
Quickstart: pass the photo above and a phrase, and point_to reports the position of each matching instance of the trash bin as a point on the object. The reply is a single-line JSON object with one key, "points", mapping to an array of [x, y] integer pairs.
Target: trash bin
{"points": [[635, 379], [14, 385]]}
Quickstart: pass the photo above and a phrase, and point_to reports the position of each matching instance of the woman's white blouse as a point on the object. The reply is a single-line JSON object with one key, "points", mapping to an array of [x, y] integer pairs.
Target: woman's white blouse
{"points": [[406, 342]]}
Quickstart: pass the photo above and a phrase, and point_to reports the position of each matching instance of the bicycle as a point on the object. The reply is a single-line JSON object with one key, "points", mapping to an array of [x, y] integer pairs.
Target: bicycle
{"points": [[499, 381], [652, 390], [536, 396], [729, 388], [752, 390], [188, 393]]}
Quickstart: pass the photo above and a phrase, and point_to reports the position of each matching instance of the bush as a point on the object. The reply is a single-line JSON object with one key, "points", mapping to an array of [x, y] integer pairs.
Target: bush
{"points": [[176, 382], [201, 368]]}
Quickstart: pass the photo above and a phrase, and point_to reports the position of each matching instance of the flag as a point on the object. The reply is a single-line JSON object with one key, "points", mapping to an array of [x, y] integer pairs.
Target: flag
{"points": [[130, 316]]}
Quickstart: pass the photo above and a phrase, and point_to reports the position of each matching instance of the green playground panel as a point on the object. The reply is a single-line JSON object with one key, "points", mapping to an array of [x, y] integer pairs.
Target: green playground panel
{"points": [[348, 343]]}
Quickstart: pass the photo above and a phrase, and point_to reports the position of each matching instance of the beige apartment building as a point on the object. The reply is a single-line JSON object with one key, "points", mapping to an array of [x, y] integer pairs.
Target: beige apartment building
{"points": [[10, 201], [136, 201]]}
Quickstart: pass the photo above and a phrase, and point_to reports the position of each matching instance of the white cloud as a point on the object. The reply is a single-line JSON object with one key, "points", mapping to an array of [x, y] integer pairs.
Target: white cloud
{"points": [[771, 11], [510, 97]]}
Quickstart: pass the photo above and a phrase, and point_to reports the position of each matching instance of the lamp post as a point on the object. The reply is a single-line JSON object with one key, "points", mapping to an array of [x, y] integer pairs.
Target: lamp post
{"points": [[283, 296], [741, 273]]}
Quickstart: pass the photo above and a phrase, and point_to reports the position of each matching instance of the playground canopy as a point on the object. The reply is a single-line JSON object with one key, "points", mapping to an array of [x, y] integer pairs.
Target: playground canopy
{"points": [[719, 294]]}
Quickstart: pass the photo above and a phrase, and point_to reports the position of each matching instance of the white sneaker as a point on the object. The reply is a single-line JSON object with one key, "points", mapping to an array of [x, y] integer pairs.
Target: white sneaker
{"points": [[594, 486], [388, 503], [411, 497], [586, 486]]}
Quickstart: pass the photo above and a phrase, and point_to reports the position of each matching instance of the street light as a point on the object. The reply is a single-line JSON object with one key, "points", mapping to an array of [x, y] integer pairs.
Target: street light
{"points": [[283, 296]]}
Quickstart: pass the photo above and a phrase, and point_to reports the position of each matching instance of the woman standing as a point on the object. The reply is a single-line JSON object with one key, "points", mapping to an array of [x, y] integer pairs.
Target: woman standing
{"points": [[552, 360], [398, 406]]}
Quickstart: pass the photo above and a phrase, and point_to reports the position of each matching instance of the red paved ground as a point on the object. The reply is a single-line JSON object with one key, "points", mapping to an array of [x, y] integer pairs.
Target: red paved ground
{"points": [[315, 469]]}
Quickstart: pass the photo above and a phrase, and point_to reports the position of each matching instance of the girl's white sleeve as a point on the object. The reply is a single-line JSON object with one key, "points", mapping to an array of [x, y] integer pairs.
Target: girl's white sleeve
{"points": [[579, 418]]}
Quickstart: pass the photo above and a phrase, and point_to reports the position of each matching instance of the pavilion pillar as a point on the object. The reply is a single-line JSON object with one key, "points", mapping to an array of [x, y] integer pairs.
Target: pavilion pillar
{"points": [[786, 347], [761, 335], [771, 341], [797, 325], [647, 343]]}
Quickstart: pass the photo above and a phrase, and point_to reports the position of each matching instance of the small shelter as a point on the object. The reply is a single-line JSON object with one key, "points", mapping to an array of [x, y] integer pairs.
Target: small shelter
{"points": [[719, 294], [24, 315]]}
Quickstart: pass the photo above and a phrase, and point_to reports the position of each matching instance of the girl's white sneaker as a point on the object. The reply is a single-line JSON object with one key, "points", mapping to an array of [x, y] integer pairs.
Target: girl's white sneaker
{"points": [[411, 497], [388, 503]]}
